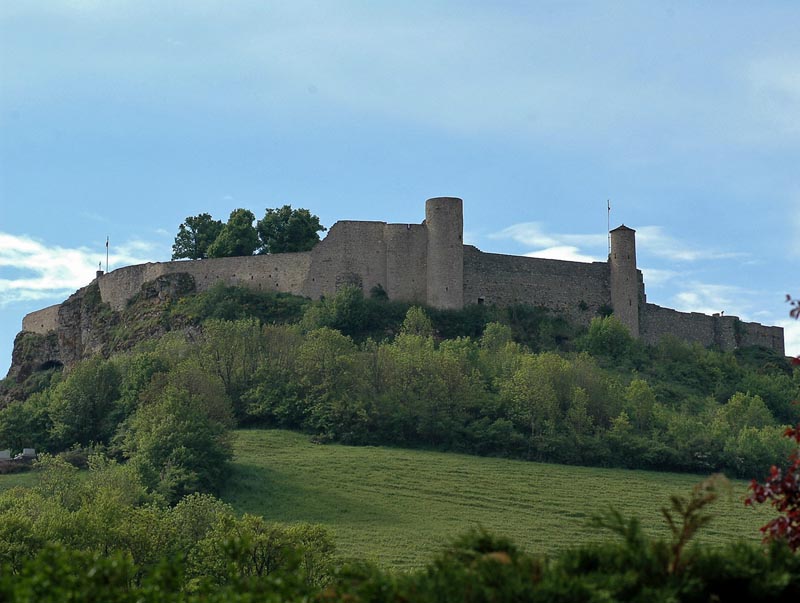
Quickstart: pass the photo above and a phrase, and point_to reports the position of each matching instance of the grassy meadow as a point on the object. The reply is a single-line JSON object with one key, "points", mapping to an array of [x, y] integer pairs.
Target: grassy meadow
{"points": [[398, 507]]}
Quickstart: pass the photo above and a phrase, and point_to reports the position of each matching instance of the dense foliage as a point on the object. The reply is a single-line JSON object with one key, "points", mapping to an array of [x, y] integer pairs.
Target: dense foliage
{"points": [[281, 230], [195, 236], [511, 382], [108, 511], [284, 230], [477, 567]]}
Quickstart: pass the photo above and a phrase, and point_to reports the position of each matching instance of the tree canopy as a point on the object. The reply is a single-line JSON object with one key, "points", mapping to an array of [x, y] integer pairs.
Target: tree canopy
{"points": [[281, 230], [238, 236], [195, 236], [285, 229]]}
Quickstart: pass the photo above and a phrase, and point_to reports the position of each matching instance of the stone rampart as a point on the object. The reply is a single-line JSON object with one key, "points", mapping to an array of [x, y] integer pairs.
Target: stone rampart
{"points": [[428, 264], [657, 322], [353, 253], [753, 333], [725, 332], [577, 290], [406, 246], [42, 321], [280, 272]]}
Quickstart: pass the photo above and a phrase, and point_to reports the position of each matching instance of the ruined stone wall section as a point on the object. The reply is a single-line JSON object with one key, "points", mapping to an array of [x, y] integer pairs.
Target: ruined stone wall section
{"points": [[725, 332], [576, 289], [42, 321], [353, 253], [657, 322], [406, 266], [753, 333]]}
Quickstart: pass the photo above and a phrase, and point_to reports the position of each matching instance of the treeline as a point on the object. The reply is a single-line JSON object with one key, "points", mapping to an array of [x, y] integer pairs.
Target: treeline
{"points": [[508, 382]]}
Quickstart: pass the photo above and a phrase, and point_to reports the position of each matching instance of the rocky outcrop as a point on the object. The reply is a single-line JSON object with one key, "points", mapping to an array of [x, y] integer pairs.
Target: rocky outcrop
{"points": [[86, 326]]}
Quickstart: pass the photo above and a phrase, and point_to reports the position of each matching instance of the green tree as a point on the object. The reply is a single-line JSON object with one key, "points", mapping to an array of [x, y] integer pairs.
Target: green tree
{"points": [[84, 407], [178, 437], [195, 236], [238, 237], [285, 229]]}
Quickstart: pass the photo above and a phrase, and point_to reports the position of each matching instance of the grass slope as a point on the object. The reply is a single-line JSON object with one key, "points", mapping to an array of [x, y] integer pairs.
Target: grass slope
{"points": [[397, 507]]}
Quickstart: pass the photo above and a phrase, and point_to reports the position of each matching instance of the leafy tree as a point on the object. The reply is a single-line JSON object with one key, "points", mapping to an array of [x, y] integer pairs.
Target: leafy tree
{"points": [[178, 437], [195, 236], [417, 323], [608, 337], [284, 230], [84, 407], [238, 237]]}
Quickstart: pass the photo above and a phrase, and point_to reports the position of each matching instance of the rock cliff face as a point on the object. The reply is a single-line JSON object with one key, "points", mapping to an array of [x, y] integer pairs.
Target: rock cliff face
{"points": [[86, 326]]}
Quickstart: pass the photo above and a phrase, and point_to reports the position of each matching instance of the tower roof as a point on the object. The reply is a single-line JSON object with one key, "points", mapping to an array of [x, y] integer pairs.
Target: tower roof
{"points": [[623, 227]]}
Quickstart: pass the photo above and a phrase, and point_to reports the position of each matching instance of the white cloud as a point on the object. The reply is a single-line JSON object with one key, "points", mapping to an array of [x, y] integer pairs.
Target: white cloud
{"points": [[527, 233], [791, 336], [562, 252], [554, 246], [32, 270], [654, 240], [711, 298]]}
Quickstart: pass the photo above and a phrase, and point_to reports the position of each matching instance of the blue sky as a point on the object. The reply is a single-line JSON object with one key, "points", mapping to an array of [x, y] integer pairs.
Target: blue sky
{"points": [[122, 118]]}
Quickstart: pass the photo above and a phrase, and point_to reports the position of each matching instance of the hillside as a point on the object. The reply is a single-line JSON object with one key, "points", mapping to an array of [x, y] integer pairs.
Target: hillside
{"points": [[518, 382], [398, 507]]}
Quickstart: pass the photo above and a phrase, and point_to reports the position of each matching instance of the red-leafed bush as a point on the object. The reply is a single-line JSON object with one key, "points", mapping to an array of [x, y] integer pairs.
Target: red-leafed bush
{"points": [[782, 487], [782, 490]]}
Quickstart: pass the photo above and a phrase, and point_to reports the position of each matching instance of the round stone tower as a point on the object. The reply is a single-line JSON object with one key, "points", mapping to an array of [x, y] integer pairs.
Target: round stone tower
{"points": [[624, 278], [444, 220]]}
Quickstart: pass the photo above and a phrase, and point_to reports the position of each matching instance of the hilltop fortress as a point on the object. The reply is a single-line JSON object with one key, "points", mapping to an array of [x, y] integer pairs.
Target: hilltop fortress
{"points": [[429, 264]]}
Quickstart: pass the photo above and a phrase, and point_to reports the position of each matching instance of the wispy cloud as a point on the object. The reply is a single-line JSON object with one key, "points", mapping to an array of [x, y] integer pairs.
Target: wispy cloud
{"points": [[656, 277], [710, 298], [654, 240], [556, 246], [32, 270]]}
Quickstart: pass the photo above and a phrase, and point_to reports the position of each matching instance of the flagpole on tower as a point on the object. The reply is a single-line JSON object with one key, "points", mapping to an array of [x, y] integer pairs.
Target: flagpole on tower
{"points": [[608, 226], [106, 254]]}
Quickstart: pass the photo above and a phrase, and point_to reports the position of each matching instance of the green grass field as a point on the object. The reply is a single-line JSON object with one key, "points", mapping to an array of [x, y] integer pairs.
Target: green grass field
{"points": [[11, 480], [398, 507]]}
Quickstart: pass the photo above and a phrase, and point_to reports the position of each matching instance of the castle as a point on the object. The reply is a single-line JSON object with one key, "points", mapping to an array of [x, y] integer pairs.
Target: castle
{"points": [[429, 264]]}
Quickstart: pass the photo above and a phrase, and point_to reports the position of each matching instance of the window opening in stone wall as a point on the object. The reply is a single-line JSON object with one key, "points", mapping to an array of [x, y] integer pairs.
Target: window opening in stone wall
{"points": [[480, 301]]}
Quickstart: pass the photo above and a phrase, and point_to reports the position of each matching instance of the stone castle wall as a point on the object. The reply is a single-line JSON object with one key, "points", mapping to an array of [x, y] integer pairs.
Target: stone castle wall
{"points": [[725, 332], [42, 321], [353, 253], [280, 272], [429, 264], [406, 262], [575, 289]]}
